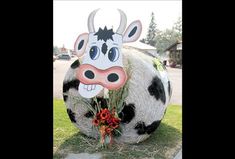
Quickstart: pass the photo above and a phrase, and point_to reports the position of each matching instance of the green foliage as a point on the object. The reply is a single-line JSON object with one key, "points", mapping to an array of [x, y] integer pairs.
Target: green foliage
{"points": [[178, 27], [117, 97], [162, 39], [151, 35], [165, 39], [158, 64]]}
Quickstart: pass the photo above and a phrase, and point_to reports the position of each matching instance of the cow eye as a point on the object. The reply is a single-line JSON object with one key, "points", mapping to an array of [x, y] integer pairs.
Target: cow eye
{"points": [[113, 54], [94, 52]]}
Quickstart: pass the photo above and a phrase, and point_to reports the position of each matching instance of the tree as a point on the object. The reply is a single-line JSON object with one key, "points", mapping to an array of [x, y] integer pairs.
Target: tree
{"points": [[169, 36], [55, 50], [165, 39], [151, 35], [178, 26]]}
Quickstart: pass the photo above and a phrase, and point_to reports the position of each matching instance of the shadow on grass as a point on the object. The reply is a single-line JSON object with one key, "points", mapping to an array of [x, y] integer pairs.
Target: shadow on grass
{"points": [[162, 144]]}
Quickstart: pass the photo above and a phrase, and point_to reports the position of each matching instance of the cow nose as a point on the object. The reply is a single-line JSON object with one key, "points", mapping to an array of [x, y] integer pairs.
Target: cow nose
{"points": [[113, 77], [89, 74]]}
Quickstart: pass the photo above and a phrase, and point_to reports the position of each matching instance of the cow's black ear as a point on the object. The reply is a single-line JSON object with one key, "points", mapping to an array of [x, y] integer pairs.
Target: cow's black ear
{"points": [[133, 32], [80, 44]]}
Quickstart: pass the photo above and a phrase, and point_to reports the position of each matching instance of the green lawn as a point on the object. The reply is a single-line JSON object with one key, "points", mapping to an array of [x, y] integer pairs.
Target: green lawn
{"points": [[162, 144]]}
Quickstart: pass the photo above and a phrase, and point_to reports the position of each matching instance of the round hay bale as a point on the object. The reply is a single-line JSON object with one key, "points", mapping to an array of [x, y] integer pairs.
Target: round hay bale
{"points": [[149, 92]]}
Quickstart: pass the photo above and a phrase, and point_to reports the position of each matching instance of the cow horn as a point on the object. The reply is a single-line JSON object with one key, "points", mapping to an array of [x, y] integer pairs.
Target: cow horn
{"points": [[91, 27], [123, 21]]}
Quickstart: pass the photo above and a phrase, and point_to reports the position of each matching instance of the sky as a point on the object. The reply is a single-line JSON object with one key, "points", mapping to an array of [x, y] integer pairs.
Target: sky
{"points": [[70, 17]]}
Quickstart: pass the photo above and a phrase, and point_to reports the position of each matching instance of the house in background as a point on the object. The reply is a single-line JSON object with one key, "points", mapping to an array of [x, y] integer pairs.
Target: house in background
{"points": [[174, 54], [147, 49], [65, 51]]}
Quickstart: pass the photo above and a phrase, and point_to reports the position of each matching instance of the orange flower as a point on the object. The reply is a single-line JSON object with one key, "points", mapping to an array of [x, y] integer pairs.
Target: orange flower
{"points": [[102, 132], [102, 129], [95, 122]]}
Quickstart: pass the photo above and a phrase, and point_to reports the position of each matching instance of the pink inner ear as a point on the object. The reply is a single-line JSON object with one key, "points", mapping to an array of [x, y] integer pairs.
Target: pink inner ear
{"points": [[128, 32], [80, 44]]}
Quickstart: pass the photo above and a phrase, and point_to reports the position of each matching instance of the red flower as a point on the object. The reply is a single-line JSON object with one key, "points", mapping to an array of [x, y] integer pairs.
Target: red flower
{"points": [[108, 130], [95, 122], [113, 125], [109, 120], [105, 114], [116, 120]]}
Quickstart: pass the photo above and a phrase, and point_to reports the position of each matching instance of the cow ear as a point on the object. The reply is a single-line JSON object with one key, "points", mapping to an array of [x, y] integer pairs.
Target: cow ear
{"points": [[133, 32], [80, 44]]}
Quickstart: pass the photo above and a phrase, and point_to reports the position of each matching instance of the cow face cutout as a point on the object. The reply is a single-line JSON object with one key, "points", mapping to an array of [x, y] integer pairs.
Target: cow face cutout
{"points": [[102, 65]]}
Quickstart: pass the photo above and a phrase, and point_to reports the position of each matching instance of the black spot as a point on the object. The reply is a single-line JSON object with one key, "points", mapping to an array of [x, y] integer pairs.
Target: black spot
{"points": [[113, 77], [143, 129], [104, 48], [89, 74], [140, 127], [65, 97], [127, 113], [102, 101], [80, 44], [71, 115], [169, 88], [132, 32], [152, 127], [89, 114], [71, 84], [156, 89], [104, 34], [75, 64]]}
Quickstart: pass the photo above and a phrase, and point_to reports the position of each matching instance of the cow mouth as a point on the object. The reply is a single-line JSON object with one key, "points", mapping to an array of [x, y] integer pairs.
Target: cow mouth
{"points": [[89, 87], [89, 91]]}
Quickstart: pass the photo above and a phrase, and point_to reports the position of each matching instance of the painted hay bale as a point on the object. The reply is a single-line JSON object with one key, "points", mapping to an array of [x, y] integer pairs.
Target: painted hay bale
{"points": [[149, 92]]}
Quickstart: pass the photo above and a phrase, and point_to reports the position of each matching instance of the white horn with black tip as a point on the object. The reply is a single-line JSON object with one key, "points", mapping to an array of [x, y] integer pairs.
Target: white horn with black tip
{"points": [[91, 27], [123, 21]]}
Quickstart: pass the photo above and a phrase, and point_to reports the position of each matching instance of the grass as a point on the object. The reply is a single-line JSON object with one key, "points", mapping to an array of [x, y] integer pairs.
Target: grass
{"points": [[162, 144]]}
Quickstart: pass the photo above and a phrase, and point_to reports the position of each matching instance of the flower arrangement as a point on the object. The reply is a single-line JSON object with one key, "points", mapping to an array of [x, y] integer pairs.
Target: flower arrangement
{"points": [[107, 122]]}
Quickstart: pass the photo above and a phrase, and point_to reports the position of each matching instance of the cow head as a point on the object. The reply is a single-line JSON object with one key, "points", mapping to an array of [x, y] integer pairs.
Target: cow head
{"points": [[102, 65]]}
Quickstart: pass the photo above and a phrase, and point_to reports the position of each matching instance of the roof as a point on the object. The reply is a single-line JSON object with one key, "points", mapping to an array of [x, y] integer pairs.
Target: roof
{"points": [[174, 44], [140, 45]]}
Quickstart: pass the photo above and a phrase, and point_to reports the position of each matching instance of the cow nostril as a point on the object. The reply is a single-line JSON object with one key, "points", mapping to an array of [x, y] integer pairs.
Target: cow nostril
{"points": [[89, 74], [113, 77]]}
